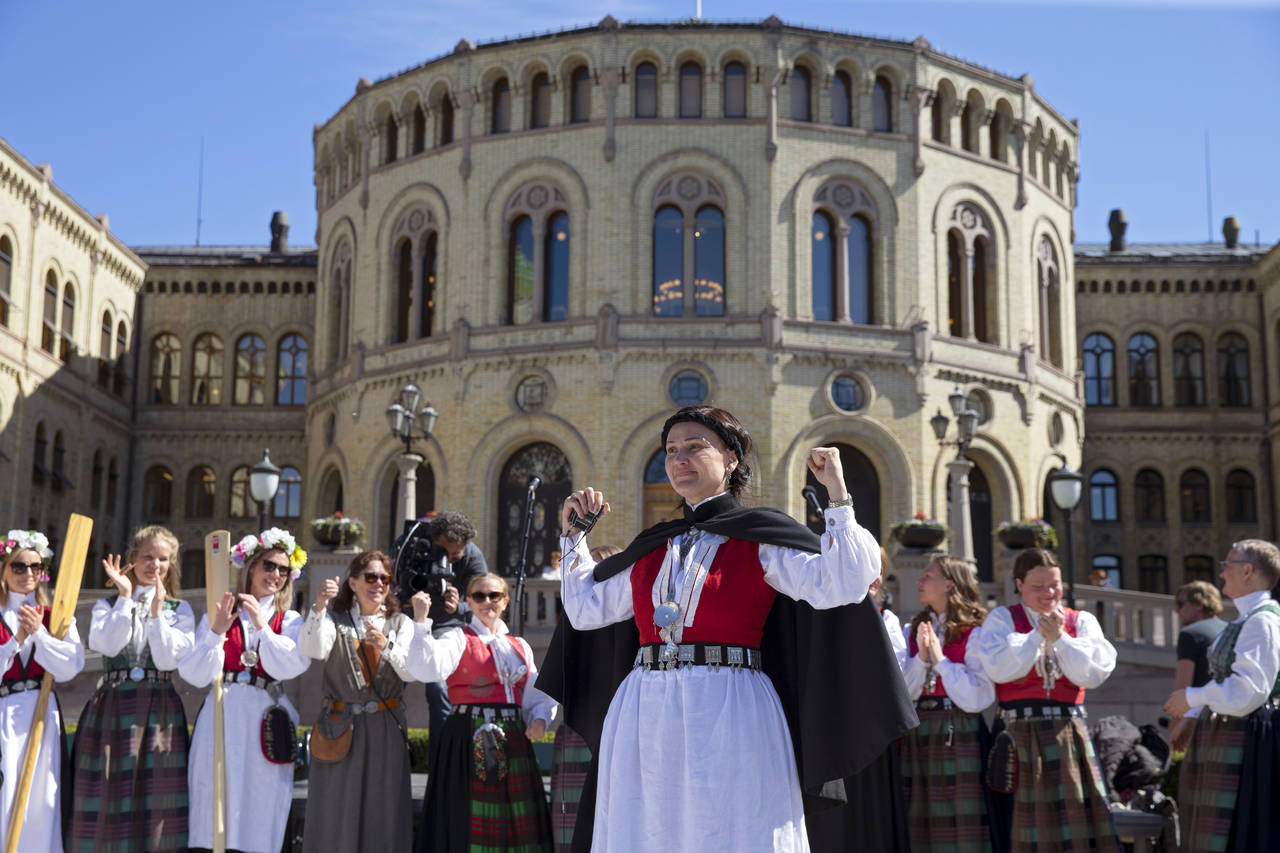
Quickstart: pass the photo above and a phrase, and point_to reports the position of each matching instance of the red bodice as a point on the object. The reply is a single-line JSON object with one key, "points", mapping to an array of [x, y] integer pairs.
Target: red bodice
{"points": [[1031, 685], [234, 645], [953, 652], [475, 681], [17, 672]]}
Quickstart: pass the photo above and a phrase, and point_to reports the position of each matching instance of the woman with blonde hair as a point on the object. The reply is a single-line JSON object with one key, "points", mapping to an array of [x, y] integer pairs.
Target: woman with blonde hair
{"points": [[942, 758], [131, 744]]}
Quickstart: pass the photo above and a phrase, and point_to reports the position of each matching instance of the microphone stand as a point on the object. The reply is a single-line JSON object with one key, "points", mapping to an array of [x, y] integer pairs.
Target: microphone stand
{"points": [[811, 497], [517, 613]]}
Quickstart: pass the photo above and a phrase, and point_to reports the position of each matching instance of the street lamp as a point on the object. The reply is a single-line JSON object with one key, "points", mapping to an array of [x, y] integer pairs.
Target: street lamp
{"points": [[409, 418], [1066, 487], [264, 480], [958, 469]]}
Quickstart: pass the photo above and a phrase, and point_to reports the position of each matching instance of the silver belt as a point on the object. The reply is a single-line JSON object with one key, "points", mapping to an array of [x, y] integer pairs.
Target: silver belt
{"points": [[1042, 712], [262, 682], [934, 703], [8, 687], [135, 674], [489, 712], [712, 655]]}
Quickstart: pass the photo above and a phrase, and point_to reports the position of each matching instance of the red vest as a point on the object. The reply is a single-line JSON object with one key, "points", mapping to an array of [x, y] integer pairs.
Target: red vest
{"points": [[17, 672], [234, 645], [953, 652], [1031, 685], [475, 681], [733, 605]]}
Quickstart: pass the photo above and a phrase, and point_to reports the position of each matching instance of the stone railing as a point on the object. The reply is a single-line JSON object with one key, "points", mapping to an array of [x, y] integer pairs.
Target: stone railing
{"points": [[1141, 625]]}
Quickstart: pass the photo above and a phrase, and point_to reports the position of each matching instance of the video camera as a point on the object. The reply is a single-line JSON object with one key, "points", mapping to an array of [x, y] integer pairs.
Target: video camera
{"points": [[420, 564]]}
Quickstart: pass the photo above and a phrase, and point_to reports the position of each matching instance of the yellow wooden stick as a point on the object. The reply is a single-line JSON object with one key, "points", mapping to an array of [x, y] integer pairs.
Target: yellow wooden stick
{"points": [[65, 594], [217, 580]]}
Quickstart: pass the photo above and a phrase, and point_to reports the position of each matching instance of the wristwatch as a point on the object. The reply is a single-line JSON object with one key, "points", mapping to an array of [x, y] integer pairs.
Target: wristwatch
{"points": [[844, 502]]}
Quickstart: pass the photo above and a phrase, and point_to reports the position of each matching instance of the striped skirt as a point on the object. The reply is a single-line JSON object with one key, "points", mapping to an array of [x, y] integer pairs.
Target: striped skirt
{"points": [[130, 778], [1060, 804], [570, 761], [942, 783], [1230, 784]]}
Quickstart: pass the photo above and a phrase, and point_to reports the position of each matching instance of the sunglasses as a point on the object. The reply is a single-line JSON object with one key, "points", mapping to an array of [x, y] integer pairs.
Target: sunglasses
{"points": [[22, 568], [494, 596], [279, 568], [372, 578]]}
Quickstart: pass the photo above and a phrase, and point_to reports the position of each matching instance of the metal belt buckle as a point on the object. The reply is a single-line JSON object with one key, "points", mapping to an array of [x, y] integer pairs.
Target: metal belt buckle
{"points": [[137, 673], [735, 657], [712, 656], [686, 654], [244, 676], [275, 689], [646, 655], [371, 706]]}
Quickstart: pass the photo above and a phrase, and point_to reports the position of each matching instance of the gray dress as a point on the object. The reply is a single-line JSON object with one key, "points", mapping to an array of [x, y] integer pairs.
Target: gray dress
{"points": [[361, 802]]}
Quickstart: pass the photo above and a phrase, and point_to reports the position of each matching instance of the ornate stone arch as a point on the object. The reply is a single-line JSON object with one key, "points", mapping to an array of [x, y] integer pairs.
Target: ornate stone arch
{"points": [[540, 203], [845, 200], [696, 196]]}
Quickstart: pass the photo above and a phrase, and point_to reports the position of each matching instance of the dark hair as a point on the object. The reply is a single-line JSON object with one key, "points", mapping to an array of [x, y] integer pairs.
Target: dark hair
{"points": [[730, 431], [453, 525], [346, 597], [964, 604], [1033, 558]]}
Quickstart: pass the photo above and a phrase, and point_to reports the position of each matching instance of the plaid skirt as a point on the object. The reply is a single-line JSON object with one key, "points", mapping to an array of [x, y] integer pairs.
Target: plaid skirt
{"points": [[942, 782], [570, 761], [130, 776], [462, 813], [1060, 804], [1230, 784]]}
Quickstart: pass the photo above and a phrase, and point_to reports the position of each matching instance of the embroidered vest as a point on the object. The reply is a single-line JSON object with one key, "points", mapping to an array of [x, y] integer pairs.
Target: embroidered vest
{"points": [[234, 645], [18, 672], [475, 681], [1031, 686], [953, 652], [121, 661], [1223, 654]]}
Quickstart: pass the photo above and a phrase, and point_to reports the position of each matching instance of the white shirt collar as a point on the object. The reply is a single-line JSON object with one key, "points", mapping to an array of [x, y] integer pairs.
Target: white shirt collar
{"points": [[1246, 604], [713, 497], [16, 600], [144, 594], [480, 628]]}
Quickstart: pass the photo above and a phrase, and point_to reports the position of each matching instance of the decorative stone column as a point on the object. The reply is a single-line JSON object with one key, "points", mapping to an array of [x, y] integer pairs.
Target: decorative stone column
{"points": [[408, 464], [958, 508], [919, 98], [466, 100], [611, 80]]}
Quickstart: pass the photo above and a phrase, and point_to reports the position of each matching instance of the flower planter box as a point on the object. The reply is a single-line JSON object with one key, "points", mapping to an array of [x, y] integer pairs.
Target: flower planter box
{"points": [[924, 536]]}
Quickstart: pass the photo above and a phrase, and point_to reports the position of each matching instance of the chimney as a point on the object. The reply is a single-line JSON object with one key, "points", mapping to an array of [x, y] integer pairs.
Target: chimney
{"points": [[1117, 224], [279, 232], [1231, 231]]}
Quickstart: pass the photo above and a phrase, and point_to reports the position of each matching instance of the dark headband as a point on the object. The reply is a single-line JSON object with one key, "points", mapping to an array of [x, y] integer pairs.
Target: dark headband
{"points": [[730, 440]]}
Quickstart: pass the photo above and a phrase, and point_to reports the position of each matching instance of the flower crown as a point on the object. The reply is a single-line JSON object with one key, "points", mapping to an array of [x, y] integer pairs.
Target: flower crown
{"points": [[242, 552], [28, 540]]}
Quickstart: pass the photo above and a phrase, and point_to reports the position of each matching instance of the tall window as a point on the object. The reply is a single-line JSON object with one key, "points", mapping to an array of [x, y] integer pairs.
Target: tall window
{"points": [[59, 461], [6, 278], [291, 371], [166, 358], [49, 329], [1242, 498], [969, 126], [970, 299], [113, 479], [95, 480], [1050, 300], [955, 288], [1099, 370], [241, 504], [691, 90], [201, 485], [1110, 564], [1199, 567], [500, 105], [419, 129], [66, 345], [430, 260], [1193, 491], [938, 114], [735, 90], [120, 374], [1153, 574], [841, 241], [708, 262], [104, 350], [206, 371], [881, 105], [540, 100], [859, 265], [338, 303], [401, 307], [688, 247], [391, 131], [841, 99], [538, 252], [157, 493], [823, 266], [556, 274], [520, 268], [1144, 371], [251, 371], [446, 120], [801, 84], [1188, 370], [1233, 370], [288, 499], [668, 262], [1104, 500], [646, 90], [1148, 496], [580, 95]]}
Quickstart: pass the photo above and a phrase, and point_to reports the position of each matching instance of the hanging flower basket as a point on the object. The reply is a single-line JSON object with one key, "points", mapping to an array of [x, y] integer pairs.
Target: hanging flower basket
{"points": [[1031, 533], [920, 532], [337, 531]]}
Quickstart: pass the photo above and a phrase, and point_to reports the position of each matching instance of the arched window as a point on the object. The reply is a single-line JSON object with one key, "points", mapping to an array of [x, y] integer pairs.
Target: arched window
{"points": [[1099, 354], [39, 467], [206, 371], [850, 212], [689, 246], [60, 480], [104, 350], [823, 266], [660, 500], [1233, 371], [166, 362], [971, 297], [646, 90], [95, 480], [419, 129], [1242, 498], [113, 478], [120, 374], [859, 265], [1050, 301], [401, 308], [549, 463], [1153, 573], [520, 269], [841, 99], [1188, 370], [1002, 132], [938, 113], [969, 127], [500, 105], [1199, 567], [668, 262], [580, 95], [340, 284], [6, 278], [1148, 496], [391, 131], [881, 105], [241, 504], [291, 371], [690, 90], [157, 494], [863, 482], [556, 275], [201, 485], [446, 120], [1104, 498], [1193, 491], [251, 371], [981, 293], [288, 499], [955, 288], [540, 100], [538, 253], [801, 83], [49, 329], [415, 260], [329, 499], [708, 262], [1144, 371], [1110, 564], [735, 90], [430, 261]]}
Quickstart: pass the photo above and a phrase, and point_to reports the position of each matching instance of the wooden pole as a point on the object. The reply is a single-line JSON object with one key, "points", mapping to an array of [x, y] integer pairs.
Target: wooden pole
{"points": [[217, 562], [65, 595]]}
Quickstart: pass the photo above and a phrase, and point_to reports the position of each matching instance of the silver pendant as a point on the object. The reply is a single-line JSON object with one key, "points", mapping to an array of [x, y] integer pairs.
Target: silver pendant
{"points": [[248, 658], [244, 676], [666, 614], [137, 674], [930, 681]]}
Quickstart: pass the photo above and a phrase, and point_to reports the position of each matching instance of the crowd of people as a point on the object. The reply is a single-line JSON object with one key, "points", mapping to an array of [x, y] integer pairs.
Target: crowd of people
{"points": [[727, 682]]}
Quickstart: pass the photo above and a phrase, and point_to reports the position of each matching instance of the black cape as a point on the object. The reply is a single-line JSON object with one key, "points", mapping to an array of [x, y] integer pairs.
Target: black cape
{"points": [[834, 671]]}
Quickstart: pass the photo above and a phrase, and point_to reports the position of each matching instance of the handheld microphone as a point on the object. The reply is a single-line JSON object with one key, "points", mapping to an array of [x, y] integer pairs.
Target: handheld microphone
{"points": [[534, 482], [811, 498]]}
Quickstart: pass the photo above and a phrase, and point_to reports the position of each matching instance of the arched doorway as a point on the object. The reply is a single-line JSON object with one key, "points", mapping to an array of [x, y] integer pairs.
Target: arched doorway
{"points": [[329, 498], [980, 523], [548, 462], [424, 499], [863, 483]]}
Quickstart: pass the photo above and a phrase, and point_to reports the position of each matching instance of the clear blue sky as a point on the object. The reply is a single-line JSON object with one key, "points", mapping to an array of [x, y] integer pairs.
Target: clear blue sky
{"points": [[117, 95]]}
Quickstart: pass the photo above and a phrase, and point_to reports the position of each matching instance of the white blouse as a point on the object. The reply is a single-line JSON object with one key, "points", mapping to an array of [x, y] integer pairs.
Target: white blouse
{"points": [[1087, 659], [62, 658], [434, 659], [278, 653], [897, 639], [965, 683], [1256, 665], [321, 630], [170, 637]]}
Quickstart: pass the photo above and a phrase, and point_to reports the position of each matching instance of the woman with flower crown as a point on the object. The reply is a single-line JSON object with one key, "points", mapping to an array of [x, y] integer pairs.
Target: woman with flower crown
{"points": [[251, 642], [27, 652], [131, 744]]}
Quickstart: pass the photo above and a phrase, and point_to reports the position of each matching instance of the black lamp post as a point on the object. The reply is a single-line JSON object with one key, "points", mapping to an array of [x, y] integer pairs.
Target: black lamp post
{"points": [[264, 481], [409, 417], [1065, 487]]}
